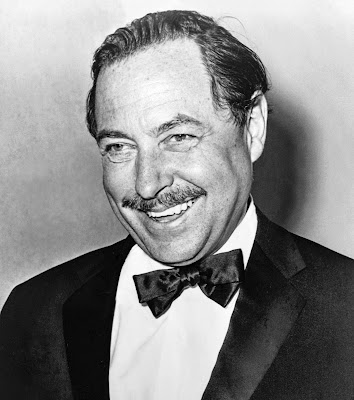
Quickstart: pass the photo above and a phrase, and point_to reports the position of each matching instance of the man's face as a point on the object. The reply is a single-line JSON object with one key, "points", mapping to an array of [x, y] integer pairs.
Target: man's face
{"points": [[176, 171]]}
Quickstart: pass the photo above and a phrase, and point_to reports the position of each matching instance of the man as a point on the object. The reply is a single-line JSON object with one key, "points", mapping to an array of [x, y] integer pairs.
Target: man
{"points": [[239, 307]]}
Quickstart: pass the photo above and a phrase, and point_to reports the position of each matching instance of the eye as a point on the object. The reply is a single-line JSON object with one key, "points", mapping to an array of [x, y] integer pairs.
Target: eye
{"points": [[118, 152], [114, 147], [180, 142], [180, 138]]}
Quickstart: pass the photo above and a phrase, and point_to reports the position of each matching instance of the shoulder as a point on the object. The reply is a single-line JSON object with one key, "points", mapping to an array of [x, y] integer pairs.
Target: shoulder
{"points": [[281, 243], [325, 276], [56, 284], [309, 265], [328, 274], [316, 254]]}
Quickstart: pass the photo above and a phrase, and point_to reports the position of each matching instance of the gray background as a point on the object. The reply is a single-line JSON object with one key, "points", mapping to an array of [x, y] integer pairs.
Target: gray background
{"points": [[52, 205]]}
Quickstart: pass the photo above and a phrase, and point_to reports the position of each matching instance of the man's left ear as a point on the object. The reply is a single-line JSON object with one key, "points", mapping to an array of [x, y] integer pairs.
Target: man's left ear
{"points": [[256, 126]]}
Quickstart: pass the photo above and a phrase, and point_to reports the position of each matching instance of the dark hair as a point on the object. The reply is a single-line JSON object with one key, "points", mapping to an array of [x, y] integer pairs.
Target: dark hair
{"points": [[235, 71]]}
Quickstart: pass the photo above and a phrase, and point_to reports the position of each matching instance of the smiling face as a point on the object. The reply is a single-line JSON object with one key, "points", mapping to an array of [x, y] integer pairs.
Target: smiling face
{"points": [[177, 172]]}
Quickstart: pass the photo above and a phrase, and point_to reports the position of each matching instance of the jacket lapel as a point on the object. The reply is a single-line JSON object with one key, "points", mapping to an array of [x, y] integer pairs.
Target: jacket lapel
{"points": [[87, 320], [265, 311]]}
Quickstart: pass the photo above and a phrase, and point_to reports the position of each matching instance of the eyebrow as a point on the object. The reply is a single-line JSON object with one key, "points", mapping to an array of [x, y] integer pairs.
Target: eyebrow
{"points": [[178, 120], [106, 133]]}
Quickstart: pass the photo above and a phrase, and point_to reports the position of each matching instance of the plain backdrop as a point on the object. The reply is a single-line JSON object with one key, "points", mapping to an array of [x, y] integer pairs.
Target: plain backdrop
{"points": [[52, 204]]}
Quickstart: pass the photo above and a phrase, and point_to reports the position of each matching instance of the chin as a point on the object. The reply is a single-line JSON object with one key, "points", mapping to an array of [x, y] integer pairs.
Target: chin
{"points": [[173, 256]]}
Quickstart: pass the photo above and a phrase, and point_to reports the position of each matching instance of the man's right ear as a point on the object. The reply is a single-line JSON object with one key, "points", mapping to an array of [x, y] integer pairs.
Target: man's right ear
{"points": [[256, 126]]}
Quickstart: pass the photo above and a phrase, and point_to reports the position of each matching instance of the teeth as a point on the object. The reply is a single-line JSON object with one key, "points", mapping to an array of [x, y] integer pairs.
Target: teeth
{"points": [[171, 211]]}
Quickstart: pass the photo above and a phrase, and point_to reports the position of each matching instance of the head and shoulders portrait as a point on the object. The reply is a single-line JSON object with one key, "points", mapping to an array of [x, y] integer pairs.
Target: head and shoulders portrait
{"points": [[225, 159]]}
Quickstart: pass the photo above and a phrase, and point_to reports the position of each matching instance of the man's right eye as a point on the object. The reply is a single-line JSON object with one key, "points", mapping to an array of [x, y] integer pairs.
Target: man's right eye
{"points": [[114, 147], [118, 152]]}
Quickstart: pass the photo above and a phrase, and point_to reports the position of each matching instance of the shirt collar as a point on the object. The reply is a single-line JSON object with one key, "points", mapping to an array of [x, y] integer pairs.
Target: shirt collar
{"points": [[244, 234]]}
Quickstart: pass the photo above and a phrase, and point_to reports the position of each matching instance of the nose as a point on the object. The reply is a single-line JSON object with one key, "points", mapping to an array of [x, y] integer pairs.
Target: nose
{"points": [[152, 174]]}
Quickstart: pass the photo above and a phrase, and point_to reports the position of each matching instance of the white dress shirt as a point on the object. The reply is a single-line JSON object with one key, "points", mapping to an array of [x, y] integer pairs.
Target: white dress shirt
{"points": [[170, 357]]}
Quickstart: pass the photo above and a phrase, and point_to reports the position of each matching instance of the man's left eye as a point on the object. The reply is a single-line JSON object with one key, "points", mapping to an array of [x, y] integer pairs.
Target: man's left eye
{"points": [[181, 142], [180, 138]]}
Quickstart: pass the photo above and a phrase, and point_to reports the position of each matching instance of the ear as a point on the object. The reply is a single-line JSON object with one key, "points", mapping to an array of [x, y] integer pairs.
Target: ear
{"points": [[256, 126]]}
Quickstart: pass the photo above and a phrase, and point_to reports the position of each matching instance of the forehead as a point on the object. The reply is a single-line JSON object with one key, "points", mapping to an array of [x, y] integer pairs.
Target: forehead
{"points": [[153, 84]]}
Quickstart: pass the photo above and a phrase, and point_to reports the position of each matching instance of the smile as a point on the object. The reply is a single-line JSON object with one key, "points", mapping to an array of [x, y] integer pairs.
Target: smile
{"points": [[176, 210]]}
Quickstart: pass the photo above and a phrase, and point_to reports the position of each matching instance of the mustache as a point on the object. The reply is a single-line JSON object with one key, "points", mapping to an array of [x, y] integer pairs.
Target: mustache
{"points": [[169, 199]]}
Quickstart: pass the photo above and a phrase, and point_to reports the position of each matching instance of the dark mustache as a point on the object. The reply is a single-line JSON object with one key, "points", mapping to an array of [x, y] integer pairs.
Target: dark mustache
{"points": [[168, 199]]}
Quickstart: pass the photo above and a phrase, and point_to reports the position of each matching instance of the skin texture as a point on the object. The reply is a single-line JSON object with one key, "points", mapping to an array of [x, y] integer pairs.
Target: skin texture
{"points": [[159, 133]]}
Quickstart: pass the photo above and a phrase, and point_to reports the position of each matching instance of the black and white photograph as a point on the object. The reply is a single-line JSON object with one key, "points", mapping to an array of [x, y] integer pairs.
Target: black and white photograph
{"points": [[177, 200]]}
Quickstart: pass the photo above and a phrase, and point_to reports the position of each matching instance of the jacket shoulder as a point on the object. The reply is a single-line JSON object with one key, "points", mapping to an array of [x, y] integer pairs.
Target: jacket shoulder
{"points": [[328, 276], [316, 255], [57, 283], [284, 245], [32, 345]]}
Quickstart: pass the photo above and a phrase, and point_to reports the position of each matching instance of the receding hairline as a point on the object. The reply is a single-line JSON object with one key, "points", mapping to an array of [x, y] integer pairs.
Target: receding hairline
{"points": [[124, 62], [235, 70], [125, 58]]}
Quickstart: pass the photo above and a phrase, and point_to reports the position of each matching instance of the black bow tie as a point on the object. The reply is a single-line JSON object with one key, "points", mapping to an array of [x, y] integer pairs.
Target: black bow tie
{"points": [[218, 276]]}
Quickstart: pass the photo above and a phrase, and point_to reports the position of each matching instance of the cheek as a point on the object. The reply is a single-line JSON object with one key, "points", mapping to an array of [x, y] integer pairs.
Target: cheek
{"points": [[233, 176], [117, 182]]}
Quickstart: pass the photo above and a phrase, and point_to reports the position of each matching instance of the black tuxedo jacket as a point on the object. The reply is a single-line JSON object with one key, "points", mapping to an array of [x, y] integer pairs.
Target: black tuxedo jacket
{"points": [[291, 335]]}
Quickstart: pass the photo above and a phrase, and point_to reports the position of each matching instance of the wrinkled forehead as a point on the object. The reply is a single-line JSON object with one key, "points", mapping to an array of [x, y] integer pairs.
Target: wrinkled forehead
{"points": [[165, 76], [172, 61]]}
